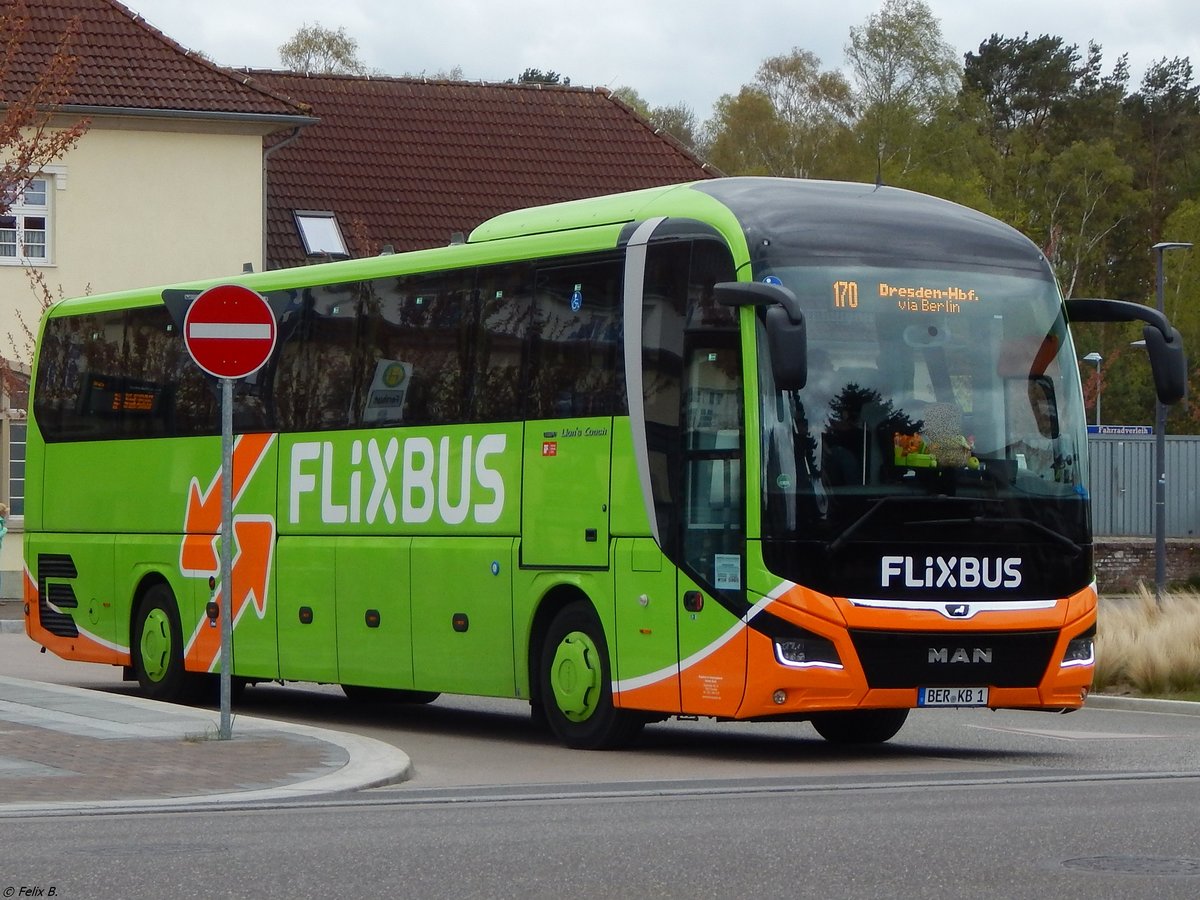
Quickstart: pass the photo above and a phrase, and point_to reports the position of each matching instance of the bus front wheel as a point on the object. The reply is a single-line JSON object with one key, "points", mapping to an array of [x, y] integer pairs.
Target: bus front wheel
{"points": [[859, 726], [576, 684], [157, 648]]}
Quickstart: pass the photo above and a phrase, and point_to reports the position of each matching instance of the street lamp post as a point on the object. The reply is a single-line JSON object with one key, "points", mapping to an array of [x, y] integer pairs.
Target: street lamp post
{"points": [[1160, 447], [1096, 358]]}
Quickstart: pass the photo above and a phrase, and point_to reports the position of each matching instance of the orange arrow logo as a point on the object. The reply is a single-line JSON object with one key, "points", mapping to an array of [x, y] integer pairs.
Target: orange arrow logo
{"points": [[253, 549], [202, 520]]}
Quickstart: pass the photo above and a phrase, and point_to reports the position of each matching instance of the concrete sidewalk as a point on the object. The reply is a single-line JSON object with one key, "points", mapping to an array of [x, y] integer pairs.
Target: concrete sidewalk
{"points": [[12, 616], [66, 749]]}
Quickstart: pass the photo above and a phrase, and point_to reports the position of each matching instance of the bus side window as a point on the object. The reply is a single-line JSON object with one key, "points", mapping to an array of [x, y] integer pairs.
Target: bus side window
{"points": [[713, 417], [504, 303], [312, 385], [165, 393], [80, 374], [575, 348], [418, 328], [714, 408], [383, 375], [61, 368]]}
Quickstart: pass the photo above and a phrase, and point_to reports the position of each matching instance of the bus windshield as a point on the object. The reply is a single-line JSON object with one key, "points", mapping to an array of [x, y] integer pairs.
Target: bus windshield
{"points": [[925, 384]]}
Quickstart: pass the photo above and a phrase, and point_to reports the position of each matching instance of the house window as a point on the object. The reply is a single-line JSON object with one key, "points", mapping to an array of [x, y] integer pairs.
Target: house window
{"points": [[320, 233], [25, 225], [16, 468]]}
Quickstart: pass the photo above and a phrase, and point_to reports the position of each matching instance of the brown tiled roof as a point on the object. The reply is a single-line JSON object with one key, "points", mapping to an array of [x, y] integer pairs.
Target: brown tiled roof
{"points": [[407, 162], [125, 63]]}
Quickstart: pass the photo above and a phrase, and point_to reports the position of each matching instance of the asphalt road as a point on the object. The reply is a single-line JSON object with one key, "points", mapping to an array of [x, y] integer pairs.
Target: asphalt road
{"points": [[1050, 839], [960, 803], [463, 742]]}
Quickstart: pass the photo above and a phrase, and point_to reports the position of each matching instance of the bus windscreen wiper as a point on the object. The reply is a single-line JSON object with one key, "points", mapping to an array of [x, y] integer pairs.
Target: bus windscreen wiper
{"points": [[841, 540], [1058, 537]]}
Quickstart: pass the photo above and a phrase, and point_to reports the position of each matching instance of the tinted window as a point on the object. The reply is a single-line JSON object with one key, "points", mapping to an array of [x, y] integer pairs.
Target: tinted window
{"points": [[421, 324], [496, 344], [120, 374], [314, 384], [166, 393], [576, 364], [78, 356], [501, 342], [691, 388]]}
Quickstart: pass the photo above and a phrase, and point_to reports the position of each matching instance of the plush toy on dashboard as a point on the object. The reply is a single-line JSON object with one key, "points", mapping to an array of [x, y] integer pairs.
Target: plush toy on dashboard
{"points": [[939, 443]]}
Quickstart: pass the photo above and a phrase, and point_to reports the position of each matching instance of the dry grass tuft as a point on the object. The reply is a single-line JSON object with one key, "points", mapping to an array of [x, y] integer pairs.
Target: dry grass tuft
{"points": [[1146, 648]]}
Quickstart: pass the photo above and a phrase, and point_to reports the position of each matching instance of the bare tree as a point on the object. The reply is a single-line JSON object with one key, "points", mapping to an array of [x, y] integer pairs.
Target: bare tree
{"points": [[317, 50], [903, 73], [28, 103], [34, 85]]}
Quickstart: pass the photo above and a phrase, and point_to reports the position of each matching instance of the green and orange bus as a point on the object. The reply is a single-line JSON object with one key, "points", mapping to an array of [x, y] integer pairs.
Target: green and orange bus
{"points": [[744, 449]]}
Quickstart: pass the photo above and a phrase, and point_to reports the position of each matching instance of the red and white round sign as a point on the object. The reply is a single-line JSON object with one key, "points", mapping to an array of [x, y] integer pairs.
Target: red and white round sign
{"points": [[230, 331]]}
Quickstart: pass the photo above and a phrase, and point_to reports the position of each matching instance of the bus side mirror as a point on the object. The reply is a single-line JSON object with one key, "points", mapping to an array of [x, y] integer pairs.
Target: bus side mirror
{"points": [[788, 344], [787, 334], [1168, 362]]}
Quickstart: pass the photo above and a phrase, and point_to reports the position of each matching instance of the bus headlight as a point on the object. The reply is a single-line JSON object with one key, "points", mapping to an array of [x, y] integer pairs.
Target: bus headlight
{"points": [[805, 650], [1081, 651]]}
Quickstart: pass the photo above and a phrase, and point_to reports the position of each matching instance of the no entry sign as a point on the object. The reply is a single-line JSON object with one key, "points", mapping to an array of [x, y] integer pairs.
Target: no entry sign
{"points": [[230, 331]]}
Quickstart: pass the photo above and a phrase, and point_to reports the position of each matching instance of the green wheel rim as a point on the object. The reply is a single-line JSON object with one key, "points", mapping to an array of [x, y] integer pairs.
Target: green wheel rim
{"points": [[575, 677], [156, 645]]}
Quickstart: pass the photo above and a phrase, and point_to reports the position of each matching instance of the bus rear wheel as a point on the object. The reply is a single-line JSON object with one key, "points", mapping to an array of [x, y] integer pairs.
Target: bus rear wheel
{"points": [[575, 683], [157, 648], [859, 726]]}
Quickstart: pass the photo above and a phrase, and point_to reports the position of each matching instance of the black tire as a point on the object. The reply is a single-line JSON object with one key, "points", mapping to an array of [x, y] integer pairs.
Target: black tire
{"points": [[860, 726], [157, 649], [575, 684], [356, 693]]}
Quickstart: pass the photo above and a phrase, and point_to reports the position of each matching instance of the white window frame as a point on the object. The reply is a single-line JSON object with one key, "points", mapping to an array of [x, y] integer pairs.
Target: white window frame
{"points": [[23, 209]]}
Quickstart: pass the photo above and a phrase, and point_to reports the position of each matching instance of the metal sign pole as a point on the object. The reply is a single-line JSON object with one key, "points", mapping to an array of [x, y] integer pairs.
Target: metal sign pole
{"points": [[230, 332], [226, 729]]}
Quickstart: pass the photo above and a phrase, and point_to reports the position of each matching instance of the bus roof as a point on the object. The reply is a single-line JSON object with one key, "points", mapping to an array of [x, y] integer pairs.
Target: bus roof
{"points": [[842, 220], [610, 209], [813, 218]]}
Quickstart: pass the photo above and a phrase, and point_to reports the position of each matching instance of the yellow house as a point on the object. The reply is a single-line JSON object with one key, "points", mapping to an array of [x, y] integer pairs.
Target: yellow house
{"points": [[189, 171], [166, 185]]}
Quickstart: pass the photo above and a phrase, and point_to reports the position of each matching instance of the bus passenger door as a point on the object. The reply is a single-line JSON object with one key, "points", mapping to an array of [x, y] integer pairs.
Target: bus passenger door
{"points": [[712, 640], [646, 646], [688, 423]]}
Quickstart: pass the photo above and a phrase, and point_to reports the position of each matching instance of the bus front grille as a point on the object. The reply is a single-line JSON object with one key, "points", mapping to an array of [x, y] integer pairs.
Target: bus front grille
{"points": [[906, 659]]}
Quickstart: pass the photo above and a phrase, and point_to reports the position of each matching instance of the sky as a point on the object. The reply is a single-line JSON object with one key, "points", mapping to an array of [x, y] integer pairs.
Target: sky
{"points": [[669, 51]]}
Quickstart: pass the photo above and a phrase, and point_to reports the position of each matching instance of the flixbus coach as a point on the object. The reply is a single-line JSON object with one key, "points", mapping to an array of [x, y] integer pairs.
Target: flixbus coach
{"points": [[744, 448]]}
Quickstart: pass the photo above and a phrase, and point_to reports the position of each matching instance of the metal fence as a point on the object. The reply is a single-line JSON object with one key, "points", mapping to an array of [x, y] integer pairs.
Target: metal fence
{"points": [[1122, 485]]}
